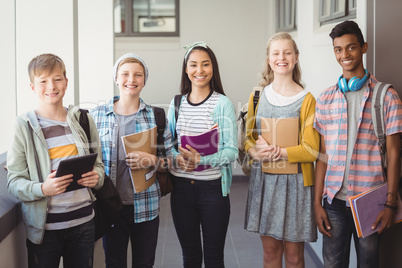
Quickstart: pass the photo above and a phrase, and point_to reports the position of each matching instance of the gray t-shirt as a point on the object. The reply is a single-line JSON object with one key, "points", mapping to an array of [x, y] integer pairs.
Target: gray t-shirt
{"points": [[123, 181], [354, 100]]}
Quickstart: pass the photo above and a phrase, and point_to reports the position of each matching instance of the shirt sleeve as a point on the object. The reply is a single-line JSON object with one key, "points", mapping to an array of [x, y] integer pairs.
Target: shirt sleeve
{"points": [[309, 145], [393, 112], [319, 115]]}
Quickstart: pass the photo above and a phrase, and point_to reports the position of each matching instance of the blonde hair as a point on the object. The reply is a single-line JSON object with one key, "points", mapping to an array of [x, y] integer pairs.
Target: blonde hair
{"points": [[129, 60], [268, 74], [45, 63]]}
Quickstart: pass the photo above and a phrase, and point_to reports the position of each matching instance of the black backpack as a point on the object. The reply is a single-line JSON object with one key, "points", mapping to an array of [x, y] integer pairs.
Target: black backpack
{"points": [[164, 178], [108, 202]]}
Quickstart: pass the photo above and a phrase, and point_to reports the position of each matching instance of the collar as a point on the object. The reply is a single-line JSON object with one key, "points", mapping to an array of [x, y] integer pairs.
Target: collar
{"points": [[110, 105]]}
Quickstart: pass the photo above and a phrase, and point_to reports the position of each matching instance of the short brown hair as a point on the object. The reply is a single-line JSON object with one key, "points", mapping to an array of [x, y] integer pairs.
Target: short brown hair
{"points": [[45, 63], [129, 60]]}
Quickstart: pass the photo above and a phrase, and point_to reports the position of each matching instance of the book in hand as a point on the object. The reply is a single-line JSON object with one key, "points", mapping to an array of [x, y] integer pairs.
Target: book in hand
{"points": [[77, 166], [282, 132], [205, 143], [144, 141], [366, 206]]}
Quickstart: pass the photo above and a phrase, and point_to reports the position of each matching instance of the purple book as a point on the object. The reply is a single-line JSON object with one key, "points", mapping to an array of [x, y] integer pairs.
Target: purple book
{"points": [[367, 206], [205, 143]]}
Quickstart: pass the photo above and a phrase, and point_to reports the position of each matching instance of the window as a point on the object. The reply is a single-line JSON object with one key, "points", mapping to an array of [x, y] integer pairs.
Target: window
{"points": [[286, 19], [337, 10], [146, 17]]}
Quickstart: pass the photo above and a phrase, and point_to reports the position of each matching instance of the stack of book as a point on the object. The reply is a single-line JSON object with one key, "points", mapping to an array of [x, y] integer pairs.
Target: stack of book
{"points": [[366, 207]]}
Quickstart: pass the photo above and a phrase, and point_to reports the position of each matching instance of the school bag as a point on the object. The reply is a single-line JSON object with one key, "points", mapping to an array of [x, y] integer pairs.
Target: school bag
{"points": [[244, 159], [377, 114], [164, 178], [108, 203]]}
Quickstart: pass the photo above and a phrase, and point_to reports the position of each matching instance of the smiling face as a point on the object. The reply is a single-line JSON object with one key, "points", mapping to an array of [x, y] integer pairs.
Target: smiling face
{"points": [[282, 57], [50, 87], [199, 69], [349, 54], [130, 79]]}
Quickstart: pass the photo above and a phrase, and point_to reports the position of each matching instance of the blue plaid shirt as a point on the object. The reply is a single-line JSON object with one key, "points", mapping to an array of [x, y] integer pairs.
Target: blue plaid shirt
{"points": [[146, 203]]}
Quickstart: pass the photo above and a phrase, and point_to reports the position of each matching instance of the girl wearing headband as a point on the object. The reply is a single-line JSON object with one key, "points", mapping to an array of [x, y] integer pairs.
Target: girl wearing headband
{"points": [[124, 115], [200, 198]]}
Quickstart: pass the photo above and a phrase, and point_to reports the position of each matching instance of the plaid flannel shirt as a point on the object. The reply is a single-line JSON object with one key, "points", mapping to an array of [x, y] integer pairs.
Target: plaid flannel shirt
{"points": [[146, 203]]}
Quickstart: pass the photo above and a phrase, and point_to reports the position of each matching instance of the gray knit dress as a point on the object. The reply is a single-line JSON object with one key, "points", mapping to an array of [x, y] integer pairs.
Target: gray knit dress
{"points": [[278, 205]]}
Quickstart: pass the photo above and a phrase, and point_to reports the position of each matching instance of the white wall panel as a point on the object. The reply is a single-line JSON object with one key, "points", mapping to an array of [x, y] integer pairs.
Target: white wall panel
{"points": [[8, 106], [44, 26], [95, 50]]}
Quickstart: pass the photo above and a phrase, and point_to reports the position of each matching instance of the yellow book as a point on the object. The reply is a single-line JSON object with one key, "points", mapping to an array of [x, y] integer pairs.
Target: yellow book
{"points": [[283, 132], [144, 141]]}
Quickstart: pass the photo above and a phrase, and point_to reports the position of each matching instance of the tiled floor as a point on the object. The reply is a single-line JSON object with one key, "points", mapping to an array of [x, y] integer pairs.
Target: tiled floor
{"points": [[242, 250]]}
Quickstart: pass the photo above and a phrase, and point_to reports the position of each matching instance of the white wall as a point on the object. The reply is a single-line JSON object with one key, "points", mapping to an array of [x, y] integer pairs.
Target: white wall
{"points": [[13, 251], [95, 51], [7, 71], [72, 30], [236, 31], [68, 28], [44, 26]]}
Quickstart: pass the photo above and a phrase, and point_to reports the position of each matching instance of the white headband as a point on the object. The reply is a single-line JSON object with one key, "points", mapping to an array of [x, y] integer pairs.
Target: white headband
{"points": [[193, 45], [129, 55]]}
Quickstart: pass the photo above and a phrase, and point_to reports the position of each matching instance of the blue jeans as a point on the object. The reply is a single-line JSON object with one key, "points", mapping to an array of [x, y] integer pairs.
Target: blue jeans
{"points": [[143, 237], [75, 244], [200, 205], [336, 250]]}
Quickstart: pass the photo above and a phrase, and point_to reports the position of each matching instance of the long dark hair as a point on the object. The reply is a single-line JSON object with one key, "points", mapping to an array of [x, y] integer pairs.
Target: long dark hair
{"points": [[215, 83]]}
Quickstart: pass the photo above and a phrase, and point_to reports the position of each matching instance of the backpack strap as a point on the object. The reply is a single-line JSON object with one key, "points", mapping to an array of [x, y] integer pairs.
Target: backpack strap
{"points": [[256, 93], [177, 103], [256, 97], [160, 120], [85, 126], [377, 115]]}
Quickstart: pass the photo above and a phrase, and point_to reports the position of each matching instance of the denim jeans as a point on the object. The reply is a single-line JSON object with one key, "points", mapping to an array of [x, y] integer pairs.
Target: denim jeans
{"points": [[75, 244], [143, 237], [336, 250], [199, 205]]}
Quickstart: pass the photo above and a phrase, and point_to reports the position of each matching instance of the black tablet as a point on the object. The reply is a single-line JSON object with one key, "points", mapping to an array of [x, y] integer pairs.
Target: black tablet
{"points": [[76, 166]]}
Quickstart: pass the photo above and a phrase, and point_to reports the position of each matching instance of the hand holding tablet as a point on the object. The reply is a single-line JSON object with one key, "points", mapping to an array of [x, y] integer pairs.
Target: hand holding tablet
{"points": [[76, 166]]}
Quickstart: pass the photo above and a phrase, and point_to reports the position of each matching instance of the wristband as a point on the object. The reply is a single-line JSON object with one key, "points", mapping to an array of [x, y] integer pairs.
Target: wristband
{"points": [[391, 207]]}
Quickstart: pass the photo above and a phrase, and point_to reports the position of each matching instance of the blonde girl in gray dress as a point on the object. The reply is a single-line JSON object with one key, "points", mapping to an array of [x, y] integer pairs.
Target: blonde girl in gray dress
{"points": [[279, 206]]}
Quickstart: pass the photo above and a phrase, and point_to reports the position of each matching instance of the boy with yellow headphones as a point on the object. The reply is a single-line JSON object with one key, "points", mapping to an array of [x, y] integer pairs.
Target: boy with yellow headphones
{"points": [[350, 160]]}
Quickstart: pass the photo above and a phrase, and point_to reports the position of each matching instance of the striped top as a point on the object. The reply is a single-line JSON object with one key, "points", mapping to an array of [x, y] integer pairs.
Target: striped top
{"points": [[72, 208], [196, 119], [331, 122]]}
